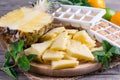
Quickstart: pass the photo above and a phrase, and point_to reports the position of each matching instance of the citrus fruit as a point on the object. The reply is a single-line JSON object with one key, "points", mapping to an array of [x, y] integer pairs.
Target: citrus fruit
{"points": [[109, 13], [97, 3], [116, 18]]}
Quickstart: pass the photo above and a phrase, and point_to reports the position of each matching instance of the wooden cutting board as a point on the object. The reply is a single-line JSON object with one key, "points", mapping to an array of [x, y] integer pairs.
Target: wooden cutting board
{"points": [[45, 69]]}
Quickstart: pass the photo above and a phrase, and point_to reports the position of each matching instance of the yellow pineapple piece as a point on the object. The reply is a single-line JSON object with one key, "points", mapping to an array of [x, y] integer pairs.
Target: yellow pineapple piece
{"points": [[52, 55], [53, 33], [80, 52], [69, 57], [84, 38], [40, 48], [28, 51], [62, 64], [60, 42], [71, 31], [12, 17]]}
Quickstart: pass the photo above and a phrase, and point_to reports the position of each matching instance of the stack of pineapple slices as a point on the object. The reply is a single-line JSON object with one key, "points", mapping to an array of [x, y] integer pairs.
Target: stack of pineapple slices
{"points": [[25, 23], [63, 48]]}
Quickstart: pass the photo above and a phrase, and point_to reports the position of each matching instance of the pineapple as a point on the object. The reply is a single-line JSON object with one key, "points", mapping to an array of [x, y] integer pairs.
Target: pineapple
{"points": [[60, 42], [62, 64], [52, 55], [25, 23], [69, 57], [84, 38], [39, 49], [28, 51], [80, 51], [53, 33], [71, 31]]}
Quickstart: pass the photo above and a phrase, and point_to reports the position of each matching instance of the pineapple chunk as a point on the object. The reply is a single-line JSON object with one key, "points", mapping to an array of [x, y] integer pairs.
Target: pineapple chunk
{"points": [[53, 55], [62, 64], [72, 31], [39, 49], [69, 57], [53, 33], [61, 42], [84, 38], [28, 51], [81, 52]]}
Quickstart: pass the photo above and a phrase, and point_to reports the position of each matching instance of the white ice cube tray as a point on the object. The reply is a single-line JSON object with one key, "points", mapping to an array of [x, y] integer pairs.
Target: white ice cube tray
{"points": [[105, 30], [78, 16]]}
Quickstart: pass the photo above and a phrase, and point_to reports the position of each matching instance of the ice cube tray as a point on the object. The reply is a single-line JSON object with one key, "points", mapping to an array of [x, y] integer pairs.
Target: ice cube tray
{"points": [[78, 16], [105, 30]]}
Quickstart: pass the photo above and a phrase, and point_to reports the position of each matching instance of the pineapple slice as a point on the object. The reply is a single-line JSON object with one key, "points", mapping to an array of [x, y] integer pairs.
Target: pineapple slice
{"points": [[84, 38], [81, 52], [53, 55], [61, 42], [53, 33], [24, 23], [71, 31], [69, 57], [28, 51], [12, 17], [62, 64], [40, 48]]}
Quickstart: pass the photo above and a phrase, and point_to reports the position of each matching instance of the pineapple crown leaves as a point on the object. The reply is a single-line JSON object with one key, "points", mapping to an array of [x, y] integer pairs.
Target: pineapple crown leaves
{"points": [[41, 5], [46, 5]]}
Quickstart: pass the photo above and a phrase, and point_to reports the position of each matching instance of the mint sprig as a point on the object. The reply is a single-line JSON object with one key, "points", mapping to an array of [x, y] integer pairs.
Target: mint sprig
{"points": [[105, 56], [75, 2], [15, 54]]}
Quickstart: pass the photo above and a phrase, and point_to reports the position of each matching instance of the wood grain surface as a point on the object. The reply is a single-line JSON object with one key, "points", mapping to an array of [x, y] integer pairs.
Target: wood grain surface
{"points": [[111, 74]]}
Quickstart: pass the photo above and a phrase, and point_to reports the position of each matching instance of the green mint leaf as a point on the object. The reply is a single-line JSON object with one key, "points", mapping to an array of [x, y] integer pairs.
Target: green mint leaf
{"points": [[106, 62], [18, 46], [24, 63], [66, 2], [30, 57], [115, 50], [10, 72], [13, 53], [7, 59], [79, 4], [98, 53], [106, 46]]}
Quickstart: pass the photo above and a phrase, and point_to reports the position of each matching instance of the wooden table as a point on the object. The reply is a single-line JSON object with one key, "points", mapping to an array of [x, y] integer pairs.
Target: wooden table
{"points": [[111, 74]]}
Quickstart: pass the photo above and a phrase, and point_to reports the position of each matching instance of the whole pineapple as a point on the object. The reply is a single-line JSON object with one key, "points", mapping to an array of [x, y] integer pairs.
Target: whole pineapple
{"points": [[26, 23]]}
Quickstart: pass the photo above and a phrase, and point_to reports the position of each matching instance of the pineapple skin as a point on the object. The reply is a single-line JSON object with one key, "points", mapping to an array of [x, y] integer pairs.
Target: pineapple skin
{"points": [[29, 38]]}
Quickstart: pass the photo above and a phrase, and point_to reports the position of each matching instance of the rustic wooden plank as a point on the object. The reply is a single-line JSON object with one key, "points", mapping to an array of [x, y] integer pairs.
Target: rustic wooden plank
{"points": [[100, 77], [4, 76]]}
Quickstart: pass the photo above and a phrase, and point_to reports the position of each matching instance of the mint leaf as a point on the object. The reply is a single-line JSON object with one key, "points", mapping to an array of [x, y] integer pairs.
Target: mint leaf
{"points": [[115, 50], [18, 46], [106, 45], [10, 72], [30, 57], [100, 53], [24, 63], [106, 62]]}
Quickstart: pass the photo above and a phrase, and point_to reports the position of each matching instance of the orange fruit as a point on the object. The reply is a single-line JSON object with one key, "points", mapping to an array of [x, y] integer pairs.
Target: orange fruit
{"points": [[116, 18], [97, 3]]}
